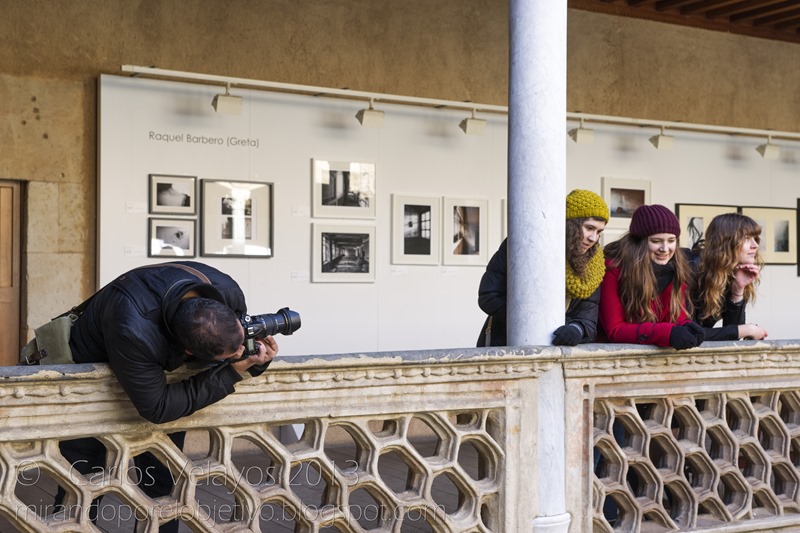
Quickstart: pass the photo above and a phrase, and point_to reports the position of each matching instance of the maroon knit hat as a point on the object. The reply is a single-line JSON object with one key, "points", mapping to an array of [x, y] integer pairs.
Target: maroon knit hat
{"points": [[651, 219]]}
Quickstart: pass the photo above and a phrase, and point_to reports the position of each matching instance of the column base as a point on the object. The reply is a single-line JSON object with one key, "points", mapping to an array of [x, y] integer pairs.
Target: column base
{"points": [[552, 524]]}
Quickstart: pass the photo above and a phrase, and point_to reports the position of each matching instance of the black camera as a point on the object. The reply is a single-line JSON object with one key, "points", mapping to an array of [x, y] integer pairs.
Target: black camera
{"points": [[257, 327]]}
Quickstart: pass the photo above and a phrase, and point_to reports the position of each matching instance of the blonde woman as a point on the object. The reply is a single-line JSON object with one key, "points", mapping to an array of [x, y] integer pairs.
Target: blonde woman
{"points": [[728, 270]]}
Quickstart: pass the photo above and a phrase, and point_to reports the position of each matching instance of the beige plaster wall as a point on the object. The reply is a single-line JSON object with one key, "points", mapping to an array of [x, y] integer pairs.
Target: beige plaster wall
{"points": [[643, 69], [51, 53]]}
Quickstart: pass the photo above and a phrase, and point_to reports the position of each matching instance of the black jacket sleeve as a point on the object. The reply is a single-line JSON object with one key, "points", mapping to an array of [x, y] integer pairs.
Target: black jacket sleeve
{"points": [[136, 354], [724, 333], [492, 295], [584, 312]]}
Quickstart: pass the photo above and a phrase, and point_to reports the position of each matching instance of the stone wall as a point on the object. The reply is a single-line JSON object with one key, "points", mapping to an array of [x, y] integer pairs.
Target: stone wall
{"points": [[53, 53]]}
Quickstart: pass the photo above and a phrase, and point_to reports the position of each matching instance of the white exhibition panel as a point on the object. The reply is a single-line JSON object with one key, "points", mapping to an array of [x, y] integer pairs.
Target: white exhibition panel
{"points": [[418, 152]]}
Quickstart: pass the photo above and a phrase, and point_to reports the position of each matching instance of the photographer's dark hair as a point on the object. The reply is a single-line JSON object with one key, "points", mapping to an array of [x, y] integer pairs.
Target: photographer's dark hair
{"points": [[206, 328]]}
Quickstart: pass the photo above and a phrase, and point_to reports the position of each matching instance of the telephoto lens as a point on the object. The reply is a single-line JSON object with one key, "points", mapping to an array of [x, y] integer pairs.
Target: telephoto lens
{"points": [[257, 327]]}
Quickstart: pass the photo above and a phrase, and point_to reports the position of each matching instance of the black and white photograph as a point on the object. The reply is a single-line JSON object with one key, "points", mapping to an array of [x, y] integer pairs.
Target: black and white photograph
{"points": [[464, 228], [343, 253], [415, 230], [236, 219], [781, 236], [343, 189], [173, 195], [623, 196], [778, 233], [171, 237], [695, 218]]}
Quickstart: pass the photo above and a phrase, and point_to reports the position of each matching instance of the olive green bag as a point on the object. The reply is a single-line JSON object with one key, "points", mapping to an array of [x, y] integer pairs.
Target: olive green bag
{"points": [[51, 340]]}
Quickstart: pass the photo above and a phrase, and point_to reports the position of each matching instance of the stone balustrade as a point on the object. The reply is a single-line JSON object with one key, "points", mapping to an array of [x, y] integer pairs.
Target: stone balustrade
{"points": [[654, 440]]}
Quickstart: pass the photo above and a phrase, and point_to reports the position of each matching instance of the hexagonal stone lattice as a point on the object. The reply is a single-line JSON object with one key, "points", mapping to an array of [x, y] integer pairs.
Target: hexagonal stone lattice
{"points": [[695, 462], [416, 472]]}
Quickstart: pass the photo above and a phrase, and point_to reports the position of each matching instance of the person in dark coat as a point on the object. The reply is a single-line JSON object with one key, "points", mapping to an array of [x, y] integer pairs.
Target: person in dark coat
{"points": [[152, 320], [587, 215], [727, 269]]}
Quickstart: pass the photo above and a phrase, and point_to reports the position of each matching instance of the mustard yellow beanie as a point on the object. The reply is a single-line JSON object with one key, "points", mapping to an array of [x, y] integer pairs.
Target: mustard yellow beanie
{"points": [[586, 204]]}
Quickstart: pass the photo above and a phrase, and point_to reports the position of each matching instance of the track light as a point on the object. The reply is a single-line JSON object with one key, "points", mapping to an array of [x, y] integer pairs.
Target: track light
{"points": [[769, 150], [227, 103], [472, 125], [371, 118], [582, 135], [661, 141]]}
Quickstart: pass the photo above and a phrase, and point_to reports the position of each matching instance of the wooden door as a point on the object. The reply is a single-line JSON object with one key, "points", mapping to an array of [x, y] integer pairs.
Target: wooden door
{"points": [[10, 253]]}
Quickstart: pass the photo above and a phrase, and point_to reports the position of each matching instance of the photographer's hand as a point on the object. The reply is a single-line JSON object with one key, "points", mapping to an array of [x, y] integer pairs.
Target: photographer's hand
{"points": [[267, 350]]}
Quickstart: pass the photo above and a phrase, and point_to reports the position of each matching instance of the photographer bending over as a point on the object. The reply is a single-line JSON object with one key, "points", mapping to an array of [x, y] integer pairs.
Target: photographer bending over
{"points": [[154, 319]]}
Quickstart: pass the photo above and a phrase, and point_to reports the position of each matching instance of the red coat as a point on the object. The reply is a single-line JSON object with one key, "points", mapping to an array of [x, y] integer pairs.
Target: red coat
{"points": [[612, 316]]}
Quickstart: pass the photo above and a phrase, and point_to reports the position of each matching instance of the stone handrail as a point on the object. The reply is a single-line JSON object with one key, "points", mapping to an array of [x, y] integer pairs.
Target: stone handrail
{"points": [[592, 438]]}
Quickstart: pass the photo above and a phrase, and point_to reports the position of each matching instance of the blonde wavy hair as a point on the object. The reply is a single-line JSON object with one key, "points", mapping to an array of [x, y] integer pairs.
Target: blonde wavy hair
{"points": [[719, 255], [638, 287]]}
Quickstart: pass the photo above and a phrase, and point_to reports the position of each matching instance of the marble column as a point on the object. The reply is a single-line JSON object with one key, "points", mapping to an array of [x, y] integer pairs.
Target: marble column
{"points": [[536, 213]]}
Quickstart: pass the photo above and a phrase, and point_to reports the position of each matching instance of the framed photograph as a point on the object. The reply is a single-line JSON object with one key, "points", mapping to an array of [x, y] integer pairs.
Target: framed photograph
{"points": [[695, 218], [343, 254], [415, 230], [342, 190], [464, 232], [623, 197], [503, 218], [778, 233], [171, 237], [236, 219], [173, 195]]}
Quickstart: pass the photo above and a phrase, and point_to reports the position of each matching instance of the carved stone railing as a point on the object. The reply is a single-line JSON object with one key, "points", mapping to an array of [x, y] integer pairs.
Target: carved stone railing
{"points": [[470, 405], [704, 439], [457, 440]]}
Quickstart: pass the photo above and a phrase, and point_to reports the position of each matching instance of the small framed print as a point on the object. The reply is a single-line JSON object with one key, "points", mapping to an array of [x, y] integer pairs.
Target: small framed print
{"points": [[342, 190], [344, 254], [171, 237], [236, 219], [695, 218], [415, 230], [778, 233], [623, 197], [464, 232], [503, 218], [172, 195]]}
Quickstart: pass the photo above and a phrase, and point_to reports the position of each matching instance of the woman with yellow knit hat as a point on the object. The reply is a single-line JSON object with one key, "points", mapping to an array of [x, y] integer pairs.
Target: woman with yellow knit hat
{"points": [[587, 215]]}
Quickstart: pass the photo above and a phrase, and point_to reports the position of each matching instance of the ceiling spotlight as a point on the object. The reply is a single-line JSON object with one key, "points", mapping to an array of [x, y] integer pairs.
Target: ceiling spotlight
{"points": [[661, 141], [472, 125], [582, 135], [371, 118], [769, 150], [227, 103]]}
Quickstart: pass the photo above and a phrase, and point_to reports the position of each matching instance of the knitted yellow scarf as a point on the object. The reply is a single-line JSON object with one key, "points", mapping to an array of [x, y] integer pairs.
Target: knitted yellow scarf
{"points": [[583, 287]]}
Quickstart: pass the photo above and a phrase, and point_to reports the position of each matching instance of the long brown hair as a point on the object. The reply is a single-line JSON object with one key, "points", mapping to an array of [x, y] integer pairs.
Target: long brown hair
{"points": [[719, 255], [638, 288], [574, 235]]}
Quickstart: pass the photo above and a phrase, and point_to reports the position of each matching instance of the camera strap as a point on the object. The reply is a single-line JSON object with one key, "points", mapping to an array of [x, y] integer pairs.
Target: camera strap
{"points": [[193, 271]]}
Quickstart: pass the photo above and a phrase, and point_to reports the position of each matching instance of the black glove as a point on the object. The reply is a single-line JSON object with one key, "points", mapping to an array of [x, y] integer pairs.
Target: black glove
{"points": [[698, 330], [688, 336], [567, 335]]}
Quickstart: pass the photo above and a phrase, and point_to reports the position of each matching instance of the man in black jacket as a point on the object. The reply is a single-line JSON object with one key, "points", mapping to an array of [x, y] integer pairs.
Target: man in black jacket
{"points": [[154, 319]]}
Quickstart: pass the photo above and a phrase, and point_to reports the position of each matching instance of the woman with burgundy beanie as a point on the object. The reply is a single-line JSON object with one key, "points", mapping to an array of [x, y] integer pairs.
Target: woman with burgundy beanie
{"points": [[587, 215], [644, 295]]}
